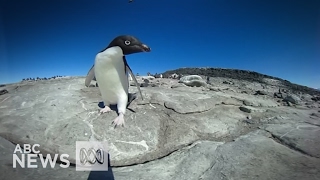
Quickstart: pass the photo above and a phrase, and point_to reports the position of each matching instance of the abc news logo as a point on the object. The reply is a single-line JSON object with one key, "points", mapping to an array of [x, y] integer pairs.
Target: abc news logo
{"points": [[28, 156], [91, 156]]}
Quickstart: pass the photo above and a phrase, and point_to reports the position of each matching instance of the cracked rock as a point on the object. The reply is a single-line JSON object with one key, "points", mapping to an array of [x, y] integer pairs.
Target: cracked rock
{"points": [[301, 137], [193, 80], [261, 92], [245, 109], [292, 98], [4, 91], [174, 133], [178, 85]]}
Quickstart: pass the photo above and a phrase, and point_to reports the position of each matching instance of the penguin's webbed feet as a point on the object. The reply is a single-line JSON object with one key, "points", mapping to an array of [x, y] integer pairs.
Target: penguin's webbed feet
{"points": [[118, 121], [106, 109]]}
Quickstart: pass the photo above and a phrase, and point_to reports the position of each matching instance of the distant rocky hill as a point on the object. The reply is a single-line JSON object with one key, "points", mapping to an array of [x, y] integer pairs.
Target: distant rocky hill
{"points": [[250, 76]]}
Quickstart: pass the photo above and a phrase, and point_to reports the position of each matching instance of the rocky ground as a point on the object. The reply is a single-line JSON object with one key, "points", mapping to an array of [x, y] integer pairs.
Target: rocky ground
{"points": [[238, 74], [223, 128]]}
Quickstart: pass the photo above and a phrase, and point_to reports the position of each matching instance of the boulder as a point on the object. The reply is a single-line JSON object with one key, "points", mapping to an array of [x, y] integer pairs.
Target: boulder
{"points": [[193, 80], [292, 98]]}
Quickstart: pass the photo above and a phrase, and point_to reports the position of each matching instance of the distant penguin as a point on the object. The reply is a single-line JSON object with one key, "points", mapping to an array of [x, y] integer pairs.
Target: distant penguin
{"points": [[111, 72], [161, 76]]}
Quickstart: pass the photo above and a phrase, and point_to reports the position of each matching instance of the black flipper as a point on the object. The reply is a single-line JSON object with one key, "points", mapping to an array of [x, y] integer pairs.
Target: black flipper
{"points": [[128, 69], [90, 76], [131, 97]]}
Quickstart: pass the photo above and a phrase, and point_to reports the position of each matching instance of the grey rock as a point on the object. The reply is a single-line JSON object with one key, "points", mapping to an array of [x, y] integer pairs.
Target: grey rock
{"points": [[277, 95], [250, 109], [288, 103], [261, 92], [75, 114], [188, 163], [300, 136], [306, 97], [190, 78], [144, 85], [256, 156], [193, 80], [284, 90], [228, 82], [178, 85], [292, 98], [195, 83], [249, 121], [253, 156], [315, 115], [232, 101], [247, 103], [248, 76], [245, 109], [174, 133], [146, 77], [316, 98], [132, 83], [311, 106], [214, 89], [4, 91], [186, 106], [252, 100]]}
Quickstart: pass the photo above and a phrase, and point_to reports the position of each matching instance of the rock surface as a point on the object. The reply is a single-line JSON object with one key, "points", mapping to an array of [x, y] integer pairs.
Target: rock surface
{"points": [[177, 132], [193, 80], [292, 99], [236, 74]]}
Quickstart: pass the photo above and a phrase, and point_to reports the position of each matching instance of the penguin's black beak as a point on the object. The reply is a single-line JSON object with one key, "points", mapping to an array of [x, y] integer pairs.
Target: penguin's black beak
{"points": [[145, 48]]}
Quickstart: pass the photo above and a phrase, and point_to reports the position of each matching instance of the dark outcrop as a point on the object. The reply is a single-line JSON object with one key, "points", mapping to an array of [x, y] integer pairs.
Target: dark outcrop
{"points": [[250, 76]]}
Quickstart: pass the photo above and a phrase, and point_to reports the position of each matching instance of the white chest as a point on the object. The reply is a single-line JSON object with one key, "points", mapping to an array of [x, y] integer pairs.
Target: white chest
{"points": [[110, 74]]}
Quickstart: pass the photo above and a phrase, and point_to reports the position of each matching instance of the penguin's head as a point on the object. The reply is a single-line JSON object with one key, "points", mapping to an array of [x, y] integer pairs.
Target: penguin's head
{"points": [[129, 44]]}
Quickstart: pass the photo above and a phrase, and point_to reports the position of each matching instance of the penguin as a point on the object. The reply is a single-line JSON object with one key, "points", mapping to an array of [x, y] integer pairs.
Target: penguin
{"points": [[91, 75], [111, 71]]}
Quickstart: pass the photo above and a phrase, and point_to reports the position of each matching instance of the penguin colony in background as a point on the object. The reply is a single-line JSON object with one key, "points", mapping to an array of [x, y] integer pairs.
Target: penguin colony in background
{"points": [[111, 73]]}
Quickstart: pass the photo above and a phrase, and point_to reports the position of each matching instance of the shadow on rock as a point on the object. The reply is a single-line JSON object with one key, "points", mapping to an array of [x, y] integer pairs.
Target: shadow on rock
{"points": [[98, 175]]}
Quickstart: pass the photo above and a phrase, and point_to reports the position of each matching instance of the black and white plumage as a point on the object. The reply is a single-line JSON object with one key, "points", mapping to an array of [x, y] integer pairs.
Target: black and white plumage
{"points": [[111, 73]]}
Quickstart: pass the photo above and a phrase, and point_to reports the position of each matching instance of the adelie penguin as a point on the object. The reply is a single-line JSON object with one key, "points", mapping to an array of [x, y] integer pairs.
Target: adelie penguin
{"points": [[111, 73]]}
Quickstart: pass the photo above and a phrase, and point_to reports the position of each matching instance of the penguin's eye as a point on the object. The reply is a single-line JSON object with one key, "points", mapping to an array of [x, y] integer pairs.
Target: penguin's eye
{"points": [[127, 42]]}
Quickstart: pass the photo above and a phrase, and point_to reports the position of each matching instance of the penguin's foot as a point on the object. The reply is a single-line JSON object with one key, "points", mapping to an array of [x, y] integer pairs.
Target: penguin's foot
{"points": [[118, 121], [105, 109]]}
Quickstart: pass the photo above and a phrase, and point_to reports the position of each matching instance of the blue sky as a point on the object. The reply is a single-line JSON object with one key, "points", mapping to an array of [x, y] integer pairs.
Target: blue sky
{"points": [[58, 37]]}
